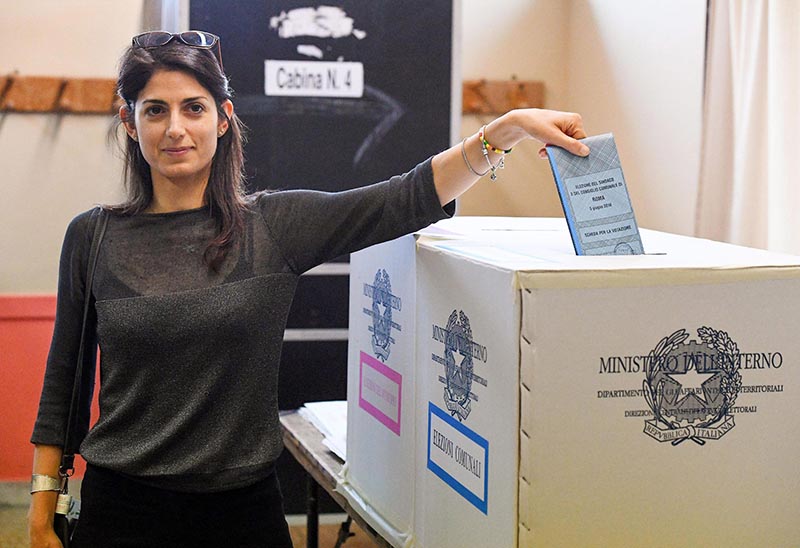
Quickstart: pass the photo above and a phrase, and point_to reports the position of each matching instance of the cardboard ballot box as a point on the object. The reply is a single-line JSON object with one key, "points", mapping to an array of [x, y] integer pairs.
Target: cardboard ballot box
{"points": [[378, 478], [380, 387], [596, 401]]}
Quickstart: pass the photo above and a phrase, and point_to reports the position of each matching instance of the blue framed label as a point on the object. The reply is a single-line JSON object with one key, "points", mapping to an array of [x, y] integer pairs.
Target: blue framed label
{"points": [[459, 457]]}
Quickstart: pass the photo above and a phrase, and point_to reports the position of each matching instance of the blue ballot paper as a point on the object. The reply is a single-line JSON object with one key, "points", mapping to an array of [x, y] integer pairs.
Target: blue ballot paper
{"points": [[595, 199]]}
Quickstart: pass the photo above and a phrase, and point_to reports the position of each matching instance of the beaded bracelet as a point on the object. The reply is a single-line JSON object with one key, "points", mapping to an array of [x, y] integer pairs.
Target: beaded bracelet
{"points": [[492, 167], [466, 160], [490, 147]]}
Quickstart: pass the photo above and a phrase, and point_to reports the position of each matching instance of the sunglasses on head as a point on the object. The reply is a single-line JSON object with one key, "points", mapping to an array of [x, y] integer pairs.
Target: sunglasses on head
{"points": [[192, 38]]}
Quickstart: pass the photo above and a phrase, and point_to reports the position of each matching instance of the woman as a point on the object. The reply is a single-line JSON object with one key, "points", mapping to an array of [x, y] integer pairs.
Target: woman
{"points": [[191, 292]]}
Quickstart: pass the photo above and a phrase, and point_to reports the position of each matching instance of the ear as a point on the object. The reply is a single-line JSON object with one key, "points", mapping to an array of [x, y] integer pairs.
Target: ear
{"points": [[224, 123], [130, 128]]}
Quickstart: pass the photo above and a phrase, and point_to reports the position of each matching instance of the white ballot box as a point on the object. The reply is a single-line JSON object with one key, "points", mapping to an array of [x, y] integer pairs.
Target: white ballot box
{"points": [[378, 475], [603, 401]]}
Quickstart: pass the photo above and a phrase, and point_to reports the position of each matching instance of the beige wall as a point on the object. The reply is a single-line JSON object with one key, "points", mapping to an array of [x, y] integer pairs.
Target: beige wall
{"points": [[526, 39], [630, 67], [55, 166], [633, 67]]}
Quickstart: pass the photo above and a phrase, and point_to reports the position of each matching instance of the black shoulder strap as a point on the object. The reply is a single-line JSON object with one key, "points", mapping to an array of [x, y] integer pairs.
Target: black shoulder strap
{"points": [[67, 467]]}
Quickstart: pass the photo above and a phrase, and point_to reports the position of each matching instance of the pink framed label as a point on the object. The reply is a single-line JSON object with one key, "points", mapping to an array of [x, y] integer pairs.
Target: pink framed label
{"points": [[380, 390]]}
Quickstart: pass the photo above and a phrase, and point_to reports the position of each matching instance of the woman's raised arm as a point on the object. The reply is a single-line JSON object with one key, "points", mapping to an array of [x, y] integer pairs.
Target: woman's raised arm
{"points": [[458, 168]]}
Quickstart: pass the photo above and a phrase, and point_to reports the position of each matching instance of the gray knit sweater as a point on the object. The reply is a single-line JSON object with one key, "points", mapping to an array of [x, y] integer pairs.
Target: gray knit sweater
{"points": [[189, 357]]}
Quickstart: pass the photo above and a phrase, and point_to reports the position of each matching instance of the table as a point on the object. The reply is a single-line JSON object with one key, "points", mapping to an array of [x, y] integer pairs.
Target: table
{"points": [[304, 442]]}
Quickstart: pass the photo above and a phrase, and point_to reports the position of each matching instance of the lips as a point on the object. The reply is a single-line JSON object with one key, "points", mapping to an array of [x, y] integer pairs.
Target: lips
{"points": [[176, 151]]}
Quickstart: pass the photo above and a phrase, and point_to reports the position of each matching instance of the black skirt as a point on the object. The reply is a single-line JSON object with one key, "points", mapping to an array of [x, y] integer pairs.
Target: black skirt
{"points": [[118, 512]]}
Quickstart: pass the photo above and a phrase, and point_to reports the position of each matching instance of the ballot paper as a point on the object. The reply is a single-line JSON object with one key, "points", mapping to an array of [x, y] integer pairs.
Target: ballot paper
{"points": [[595, 199], [330, 418]]}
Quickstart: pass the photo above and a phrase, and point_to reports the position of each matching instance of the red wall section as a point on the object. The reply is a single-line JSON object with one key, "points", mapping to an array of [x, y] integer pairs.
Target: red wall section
{"points": [[26, 325]]}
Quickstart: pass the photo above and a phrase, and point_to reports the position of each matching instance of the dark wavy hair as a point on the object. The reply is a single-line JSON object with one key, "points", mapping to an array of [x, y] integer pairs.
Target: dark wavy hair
{"points": [[226, 185]]}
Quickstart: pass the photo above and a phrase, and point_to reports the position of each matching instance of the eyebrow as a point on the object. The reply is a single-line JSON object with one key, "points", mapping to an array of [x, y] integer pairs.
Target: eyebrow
{"points": [[184, 101]]}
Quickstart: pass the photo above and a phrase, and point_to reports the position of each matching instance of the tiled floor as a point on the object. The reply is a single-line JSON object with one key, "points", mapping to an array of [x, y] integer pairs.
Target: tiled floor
{"points": [[13, 532]]}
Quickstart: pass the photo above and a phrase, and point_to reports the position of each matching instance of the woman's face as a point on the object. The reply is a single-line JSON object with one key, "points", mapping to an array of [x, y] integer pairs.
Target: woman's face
{"points": [[177, 126]]}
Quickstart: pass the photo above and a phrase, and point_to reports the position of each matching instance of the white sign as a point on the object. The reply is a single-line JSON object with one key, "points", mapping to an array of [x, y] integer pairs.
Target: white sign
{"points": [[313, 78], [458, 456]]}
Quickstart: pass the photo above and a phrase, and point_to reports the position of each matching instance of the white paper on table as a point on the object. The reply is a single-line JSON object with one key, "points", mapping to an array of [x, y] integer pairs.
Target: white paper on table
{"points": [[330, 418]]}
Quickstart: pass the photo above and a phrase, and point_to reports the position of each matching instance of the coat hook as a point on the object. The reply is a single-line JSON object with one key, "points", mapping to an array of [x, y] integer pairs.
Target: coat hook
{"points": [[6, 88], [57, 103]]}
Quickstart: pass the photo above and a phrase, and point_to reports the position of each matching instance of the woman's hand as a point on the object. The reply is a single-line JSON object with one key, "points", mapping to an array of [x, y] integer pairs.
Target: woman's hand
{"points": [[44, 539], [46, 459], [40, 520], [549, 127], [457, 168]]}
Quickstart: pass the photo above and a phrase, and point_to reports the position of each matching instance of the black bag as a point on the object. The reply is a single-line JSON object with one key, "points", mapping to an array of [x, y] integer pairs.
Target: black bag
{"points": [[67, 507], [64, 523]]}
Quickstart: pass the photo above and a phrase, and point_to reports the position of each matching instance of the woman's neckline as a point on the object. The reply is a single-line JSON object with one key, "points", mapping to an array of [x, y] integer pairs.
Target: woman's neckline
{"points": [[175, 213]]}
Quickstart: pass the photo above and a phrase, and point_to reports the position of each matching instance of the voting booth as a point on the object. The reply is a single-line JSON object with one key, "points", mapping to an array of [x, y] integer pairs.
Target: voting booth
{"points": [[317, 87], [560, 400]]}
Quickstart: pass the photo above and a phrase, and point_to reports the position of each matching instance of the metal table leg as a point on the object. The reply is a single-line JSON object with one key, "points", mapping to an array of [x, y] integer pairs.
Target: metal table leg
{"points": [[344, 532], [312, 514]]}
